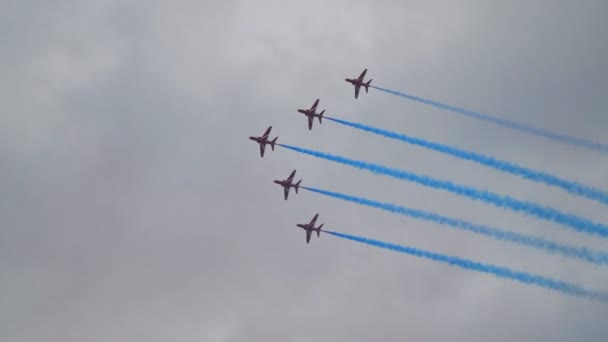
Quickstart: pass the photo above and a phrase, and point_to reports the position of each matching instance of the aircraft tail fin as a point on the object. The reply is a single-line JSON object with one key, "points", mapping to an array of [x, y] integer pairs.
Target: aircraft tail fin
{"points": [[319, 230], [367, 85], [321, 115], [298, 185], [274, 141]]}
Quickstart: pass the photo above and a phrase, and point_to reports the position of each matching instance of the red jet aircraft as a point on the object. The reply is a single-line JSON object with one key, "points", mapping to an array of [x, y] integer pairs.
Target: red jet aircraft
{"points": [[309, 227], [358, 82], [287, 183], [263, 140], [311, 113]]}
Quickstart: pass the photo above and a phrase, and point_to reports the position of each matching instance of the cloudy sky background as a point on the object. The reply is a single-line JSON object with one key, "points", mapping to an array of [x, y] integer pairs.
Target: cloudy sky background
{"points": [[133, 207]]}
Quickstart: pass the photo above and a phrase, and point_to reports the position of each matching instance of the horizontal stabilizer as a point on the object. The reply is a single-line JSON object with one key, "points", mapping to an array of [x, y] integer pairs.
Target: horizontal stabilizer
{"points": [[274, 141]]}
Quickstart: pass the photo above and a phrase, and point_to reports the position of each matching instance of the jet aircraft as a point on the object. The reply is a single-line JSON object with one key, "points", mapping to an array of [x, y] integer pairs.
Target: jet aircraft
{"points": [[311, 114], [358, 82], [310, 227], [263, 140], [287, 184]]}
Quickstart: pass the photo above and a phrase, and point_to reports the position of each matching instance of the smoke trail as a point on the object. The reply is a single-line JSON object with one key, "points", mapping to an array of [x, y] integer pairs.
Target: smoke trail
{"points": [[578, 223], [569, 186], [582, 253], [498, 271], [584, 143]]}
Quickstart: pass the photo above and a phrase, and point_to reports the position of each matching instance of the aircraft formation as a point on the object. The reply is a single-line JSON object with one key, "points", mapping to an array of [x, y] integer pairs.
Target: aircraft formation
{"points": [[566, 220], [311, 114]]}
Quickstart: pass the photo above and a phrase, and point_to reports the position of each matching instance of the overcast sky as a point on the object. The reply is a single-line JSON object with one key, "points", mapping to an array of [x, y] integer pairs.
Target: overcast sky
{"points": [[134, 208]]}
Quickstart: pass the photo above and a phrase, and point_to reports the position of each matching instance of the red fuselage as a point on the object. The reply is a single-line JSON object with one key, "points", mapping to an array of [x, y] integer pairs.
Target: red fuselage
{"points": [[355, 81], [309, 227], [262, 140], [285, 183], [309, 112]]}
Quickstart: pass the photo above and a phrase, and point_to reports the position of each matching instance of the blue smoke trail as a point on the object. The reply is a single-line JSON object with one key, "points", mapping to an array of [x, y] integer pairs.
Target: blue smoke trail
{"points": [[582, 253], [578, 223], [498, 271], [569, 186], [588, 144]]}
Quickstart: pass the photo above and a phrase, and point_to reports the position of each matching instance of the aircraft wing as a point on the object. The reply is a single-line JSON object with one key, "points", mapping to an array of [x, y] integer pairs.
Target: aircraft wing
{"points": [[267, 133], [308, 234], [357, 91], [290, 178], [314, 106], [310, 120], [362, 76], [286, 191], [314, 219], [262, 148]]}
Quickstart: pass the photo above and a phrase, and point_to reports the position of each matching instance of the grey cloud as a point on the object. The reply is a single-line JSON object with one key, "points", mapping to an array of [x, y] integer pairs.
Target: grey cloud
{"points": [[135, 208]]}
